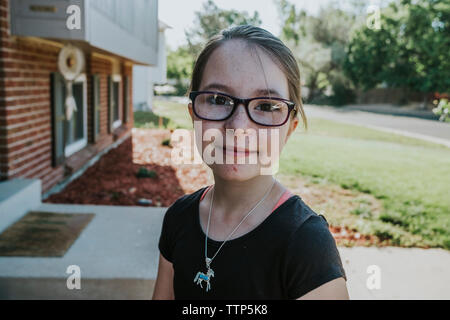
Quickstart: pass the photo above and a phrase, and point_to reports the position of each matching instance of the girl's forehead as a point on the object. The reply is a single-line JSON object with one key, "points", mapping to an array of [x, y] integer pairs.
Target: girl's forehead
{"points": [[243, 69]]}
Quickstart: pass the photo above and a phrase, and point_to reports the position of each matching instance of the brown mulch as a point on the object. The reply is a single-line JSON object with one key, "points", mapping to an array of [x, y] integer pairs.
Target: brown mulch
{"points": [[350, 237], [112, 180]]}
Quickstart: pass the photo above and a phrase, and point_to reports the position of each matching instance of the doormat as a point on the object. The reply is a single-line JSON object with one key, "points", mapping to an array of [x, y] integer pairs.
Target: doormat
{"points": [[43, 234]]}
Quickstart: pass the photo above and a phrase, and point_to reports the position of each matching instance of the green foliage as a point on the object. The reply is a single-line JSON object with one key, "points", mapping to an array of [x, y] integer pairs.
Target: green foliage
{"points": [[318, 43], [411, 50], [179, 63], [211, 20], [342, 90], [143, 172], [208, 22], [150, 120], [179, 67], [442, 109], [166, 142]]}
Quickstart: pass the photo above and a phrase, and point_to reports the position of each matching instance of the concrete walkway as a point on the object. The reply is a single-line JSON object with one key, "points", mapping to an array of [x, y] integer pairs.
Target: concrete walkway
{"points": [[429, 130], [404, 273], [118, 257]]}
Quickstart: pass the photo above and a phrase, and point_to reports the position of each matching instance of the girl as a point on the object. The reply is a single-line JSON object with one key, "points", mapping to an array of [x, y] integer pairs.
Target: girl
{"points": [[246, 236]]}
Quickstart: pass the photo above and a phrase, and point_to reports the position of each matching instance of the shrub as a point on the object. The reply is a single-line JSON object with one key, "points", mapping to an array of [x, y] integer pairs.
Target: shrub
{"points": [[442, 110], [166, 142], [145, 173]]}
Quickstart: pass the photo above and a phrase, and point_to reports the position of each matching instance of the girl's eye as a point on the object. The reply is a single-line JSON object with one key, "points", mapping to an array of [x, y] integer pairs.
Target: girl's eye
{"points": [[268, 107], [218, 100]]}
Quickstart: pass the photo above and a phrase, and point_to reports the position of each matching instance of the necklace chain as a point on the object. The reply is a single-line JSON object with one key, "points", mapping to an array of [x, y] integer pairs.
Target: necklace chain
{"points": [[209, 217]]}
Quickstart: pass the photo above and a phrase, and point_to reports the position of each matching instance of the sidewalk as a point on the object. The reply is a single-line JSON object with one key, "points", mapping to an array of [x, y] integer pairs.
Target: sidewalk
{"points": [[118, 256], [405, 273], [390, 109]]}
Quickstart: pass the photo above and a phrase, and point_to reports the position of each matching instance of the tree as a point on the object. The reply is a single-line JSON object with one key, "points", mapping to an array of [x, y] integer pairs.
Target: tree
{"points": [[179, 67], [211, 20], [411, 50], [318, 43]]}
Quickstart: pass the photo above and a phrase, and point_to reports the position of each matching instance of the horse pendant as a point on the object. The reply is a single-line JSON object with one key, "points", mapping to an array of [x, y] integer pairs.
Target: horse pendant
{"points": [[200, 276]]}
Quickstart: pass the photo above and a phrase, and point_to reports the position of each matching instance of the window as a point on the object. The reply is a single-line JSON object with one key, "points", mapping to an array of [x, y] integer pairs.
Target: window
{"points": [[115, 119], [76, 132], [68, 136]]}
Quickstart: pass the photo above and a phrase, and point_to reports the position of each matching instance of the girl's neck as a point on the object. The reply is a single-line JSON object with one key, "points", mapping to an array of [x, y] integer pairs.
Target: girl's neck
{"points": [[235, 196]]}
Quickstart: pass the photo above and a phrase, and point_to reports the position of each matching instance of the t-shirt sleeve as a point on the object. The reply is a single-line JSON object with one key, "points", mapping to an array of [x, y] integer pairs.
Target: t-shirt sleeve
{"points": [[166, 239], [312, 258]]}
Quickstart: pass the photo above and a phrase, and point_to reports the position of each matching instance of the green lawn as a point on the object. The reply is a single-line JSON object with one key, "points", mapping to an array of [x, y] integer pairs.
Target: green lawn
{"points": [[411, 177], [174, 115]]}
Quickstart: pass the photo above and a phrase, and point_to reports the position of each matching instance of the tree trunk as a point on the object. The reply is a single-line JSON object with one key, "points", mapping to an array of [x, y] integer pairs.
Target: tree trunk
{"points": [[425, 101], [312, 86]]}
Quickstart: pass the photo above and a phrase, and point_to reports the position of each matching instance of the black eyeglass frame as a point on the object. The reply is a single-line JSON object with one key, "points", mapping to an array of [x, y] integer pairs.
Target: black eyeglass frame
{"points": [[245, 102]]}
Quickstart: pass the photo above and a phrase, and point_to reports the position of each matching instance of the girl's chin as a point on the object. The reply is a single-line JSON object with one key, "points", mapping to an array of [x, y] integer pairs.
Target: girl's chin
{"points": [[236, 171]]}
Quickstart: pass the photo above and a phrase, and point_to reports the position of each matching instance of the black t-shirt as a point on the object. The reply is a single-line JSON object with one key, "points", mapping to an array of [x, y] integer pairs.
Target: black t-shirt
{"points": [[287, 255]]}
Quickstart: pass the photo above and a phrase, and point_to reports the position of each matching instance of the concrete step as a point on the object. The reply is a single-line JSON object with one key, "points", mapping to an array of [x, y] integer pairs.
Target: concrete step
{"points": [[17, 197], [117, 255]]}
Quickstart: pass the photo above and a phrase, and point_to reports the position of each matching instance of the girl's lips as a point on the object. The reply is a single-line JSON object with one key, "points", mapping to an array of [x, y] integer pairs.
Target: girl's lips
{"points": [[237, 151]]}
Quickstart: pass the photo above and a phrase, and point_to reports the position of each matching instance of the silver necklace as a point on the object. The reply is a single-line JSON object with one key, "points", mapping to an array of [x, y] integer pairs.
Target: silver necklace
{"points": [[200, 276]]}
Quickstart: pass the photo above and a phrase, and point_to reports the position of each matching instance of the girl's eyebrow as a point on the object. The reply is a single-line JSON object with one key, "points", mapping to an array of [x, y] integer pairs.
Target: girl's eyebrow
{"points": [[218, 86]]}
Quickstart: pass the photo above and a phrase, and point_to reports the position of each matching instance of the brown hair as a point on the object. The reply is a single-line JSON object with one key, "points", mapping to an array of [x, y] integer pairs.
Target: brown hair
{"points": [[263, 39]]}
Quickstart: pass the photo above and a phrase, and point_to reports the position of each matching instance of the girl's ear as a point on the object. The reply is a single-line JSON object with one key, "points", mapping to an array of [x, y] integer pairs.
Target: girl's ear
{"points": [[191, 113], [292, 126]]}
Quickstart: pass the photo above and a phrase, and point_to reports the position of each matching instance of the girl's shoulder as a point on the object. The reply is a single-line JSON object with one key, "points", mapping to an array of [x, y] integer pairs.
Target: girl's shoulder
{"points": [[298, 212], [189, 198], [185, 202]]}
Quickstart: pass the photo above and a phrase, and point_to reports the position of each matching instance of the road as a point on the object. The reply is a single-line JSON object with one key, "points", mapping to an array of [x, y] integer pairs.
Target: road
{"points": [[429, 130]]}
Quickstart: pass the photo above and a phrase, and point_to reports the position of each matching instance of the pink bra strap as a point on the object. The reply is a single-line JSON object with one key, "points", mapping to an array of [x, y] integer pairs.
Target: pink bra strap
{"points": [[286, 195], [204, 192]]}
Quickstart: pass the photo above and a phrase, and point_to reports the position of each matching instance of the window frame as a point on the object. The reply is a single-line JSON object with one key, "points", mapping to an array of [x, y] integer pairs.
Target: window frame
{"points": [[81, 143]]}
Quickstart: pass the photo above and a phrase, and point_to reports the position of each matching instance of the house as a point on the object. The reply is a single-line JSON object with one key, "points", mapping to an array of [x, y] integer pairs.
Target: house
{"points": [[145, 77], [105, 39]]}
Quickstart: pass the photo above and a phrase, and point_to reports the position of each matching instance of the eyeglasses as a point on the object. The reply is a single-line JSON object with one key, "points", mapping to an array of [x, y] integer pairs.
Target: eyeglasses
{"points": [[217, 106]]}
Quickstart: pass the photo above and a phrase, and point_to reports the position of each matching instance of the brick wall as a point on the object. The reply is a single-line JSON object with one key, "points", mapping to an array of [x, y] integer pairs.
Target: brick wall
{"points": [[25, 106], [128, 71], [4, 26], [102, 67]]}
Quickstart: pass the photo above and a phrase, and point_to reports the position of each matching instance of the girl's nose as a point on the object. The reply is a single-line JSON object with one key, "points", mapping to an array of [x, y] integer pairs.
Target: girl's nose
{"points": [[239, 119]]}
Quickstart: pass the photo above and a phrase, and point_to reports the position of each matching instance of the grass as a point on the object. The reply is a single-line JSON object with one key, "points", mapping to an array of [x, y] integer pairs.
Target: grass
{"points": [[173, 116], [409, 176], [176, 112]]}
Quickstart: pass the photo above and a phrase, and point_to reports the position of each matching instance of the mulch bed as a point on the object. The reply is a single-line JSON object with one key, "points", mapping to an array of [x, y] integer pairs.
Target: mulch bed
{"points": [[113, 180], [348, 237]]}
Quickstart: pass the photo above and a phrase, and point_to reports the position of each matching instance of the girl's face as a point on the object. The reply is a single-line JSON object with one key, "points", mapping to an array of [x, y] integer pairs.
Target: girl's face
{"points": [[235, 69]]}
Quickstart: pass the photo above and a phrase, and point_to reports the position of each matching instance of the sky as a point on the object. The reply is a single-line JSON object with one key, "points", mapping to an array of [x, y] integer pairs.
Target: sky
{"points": [[179, 14]]}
